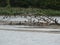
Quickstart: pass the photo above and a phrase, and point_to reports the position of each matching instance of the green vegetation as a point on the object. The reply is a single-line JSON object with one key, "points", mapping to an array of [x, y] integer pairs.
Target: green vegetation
{"points": [[34, 7], [26, 11]]}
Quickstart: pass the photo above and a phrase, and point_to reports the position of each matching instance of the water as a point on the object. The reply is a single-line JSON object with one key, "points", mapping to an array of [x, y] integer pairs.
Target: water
{"points": [[12, 35], [26, 28], [28, 38]]}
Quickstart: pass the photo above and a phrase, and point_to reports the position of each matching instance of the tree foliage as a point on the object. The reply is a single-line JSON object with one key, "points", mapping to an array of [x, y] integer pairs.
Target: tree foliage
{"points": [[3, 3], [53, 4]]}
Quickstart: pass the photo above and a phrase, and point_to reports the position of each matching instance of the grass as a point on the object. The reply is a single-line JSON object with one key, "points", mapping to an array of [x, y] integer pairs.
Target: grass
{"points": [[26, 11]]}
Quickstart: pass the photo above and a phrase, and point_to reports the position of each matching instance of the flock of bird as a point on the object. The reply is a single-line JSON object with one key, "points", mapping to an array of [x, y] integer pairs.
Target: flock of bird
{"points": [[30, 20]]}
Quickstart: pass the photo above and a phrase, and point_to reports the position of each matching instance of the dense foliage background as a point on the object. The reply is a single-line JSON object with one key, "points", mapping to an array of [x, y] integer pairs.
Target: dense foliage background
{"points": [[53, 4]]}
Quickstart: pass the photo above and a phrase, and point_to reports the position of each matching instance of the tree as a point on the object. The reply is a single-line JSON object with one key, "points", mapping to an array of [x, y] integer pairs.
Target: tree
{"points": [[3, 3], [8, 2]]}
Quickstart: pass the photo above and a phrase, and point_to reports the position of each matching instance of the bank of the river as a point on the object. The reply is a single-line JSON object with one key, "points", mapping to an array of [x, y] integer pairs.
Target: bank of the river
{"points": [[29, 11]]}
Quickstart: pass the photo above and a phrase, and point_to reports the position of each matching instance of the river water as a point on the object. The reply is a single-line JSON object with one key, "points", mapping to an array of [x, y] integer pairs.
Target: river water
{"points": [[28, 38]]}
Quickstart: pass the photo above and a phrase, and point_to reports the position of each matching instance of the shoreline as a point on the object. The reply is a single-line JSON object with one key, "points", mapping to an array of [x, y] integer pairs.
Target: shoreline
{"points": [[38, 31], [18, 27]]}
